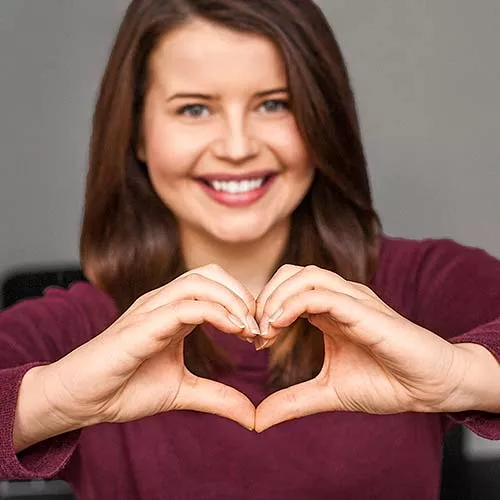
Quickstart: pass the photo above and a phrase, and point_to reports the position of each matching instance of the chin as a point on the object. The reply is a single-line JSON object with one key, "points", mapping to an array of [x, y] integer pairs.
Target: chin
{"points": [[241, 234], [239, 238]]}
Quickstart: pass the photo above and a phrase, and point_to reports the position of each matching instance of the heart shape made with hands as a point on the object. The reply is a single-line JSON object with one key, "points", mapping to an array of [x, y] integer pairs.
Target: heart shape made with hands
{"points": [[376, 361]]}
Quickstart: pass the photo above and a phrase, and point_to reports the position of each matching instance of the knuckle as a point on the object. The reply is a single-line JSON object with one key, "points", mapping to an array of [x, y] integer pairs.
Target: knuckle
{"points": [[219, 308], [311, 268], [214, 267], [289, 267], [338, 276], [364, 288], [194, 276], [194, 279], [142, 299]]}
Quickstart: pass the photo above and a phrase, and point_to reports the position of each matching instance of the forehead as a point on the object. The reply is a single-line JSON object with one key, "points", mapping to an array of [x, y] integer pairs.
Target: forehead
{"points": [[209, 55]]}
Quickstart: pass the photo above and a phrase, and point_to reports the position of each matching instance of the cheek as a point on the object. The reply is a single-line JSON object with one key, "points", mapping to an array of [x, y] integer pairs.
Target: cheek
{"points": [[171, 152], [288, 145]]}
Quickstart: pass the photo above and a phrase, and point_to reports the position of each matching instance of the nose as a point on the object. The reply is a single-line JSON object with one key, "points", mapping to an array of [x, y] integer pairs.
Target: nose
{"points": [[236, 144]]}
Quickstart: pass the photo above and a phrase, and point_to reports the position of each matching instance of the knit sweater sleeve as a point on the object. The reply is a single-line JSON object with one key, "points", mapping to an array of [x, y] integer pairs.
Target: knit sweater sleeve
{"points": [[457, 296], [35, 332]]}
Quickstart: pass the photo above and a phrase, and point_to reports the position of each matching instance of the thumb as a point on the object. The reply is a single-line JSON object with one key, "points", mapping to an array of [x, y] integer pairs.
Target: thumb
{"points": [[294, 402], [208, 396]]}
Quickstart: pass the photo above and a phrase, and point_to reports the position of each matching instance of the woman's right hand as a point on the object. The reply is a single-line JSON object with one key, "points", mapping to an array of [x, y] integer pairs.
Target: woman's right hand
{"points": [[135, 368]]}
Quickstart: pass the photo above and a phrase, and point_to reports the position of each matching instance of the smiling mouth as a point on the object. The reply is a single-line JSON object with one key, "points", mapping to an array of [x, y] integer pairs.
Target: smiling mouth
{"points": [[237, 187]]}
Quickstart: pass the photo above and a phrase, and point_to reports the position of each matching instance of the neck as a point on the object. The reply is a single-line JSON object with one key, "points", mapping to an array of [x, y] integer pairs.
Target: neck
{"points": [[251, 263]]}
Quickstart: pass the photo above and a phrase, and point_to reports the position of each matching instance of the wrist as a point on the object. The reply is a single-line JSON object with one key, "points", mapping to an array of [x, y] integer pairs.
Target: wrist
{"points": [[479, 389], [36, 418]]}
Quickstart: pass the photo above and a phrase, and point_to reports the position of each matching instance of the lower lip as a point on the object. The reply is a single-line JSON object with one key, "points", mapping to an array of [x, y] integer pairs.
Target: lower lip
{"points": [[238, 199]]}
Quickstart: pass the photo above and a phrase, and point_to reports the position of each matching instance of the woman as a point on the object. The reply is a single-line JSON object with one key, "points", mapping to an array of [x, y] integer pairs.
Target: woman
{"points": [[228, 199]]}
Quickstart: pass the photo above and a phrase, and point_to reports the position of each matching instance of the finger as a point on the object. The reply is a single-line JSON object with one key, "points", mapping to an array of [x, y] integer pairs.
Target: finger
{"points": [[308, 278], [208, 396], [199, 287], [298, 401], [281, 275], [261, 343], [218, 273], [146, 334], [360, 321]]}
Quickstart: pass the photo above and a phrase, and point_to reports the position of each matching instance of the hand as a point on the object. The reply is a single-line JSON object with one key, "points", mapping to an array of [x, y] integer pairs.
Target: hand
{"points": [[376, 361], [135, 368]]}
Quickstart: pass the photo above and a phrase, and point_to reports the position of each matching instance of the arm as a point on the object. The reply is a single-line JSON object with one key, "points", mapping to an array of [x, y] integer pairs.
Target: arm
{"points": [[36, 419], [34, 442], [457, 296], [481, 388]]}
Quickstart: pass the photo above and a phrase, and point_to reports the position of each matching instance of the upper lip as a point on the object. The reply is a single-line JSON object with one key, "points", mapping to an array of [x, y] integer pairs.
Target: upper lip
{"points": [[237, 177]]}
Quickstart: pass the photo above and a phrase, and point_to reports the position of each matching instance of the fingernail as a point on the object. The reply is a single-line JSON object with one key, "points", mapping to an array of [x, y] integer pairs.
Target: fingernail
{"points": [[264, 327], [276, 315], [261, 344], [236, 321], [252, 325], [250, 341]]}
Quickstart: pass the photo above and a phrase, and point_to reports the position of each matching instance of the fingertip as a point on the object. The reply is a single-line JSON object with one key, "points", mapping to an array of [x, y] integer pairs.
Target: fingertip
{"points": [[252, 325], [275, 316], [261, 428], [236, 321], [264, 425], [261, 343], [249, 426]]}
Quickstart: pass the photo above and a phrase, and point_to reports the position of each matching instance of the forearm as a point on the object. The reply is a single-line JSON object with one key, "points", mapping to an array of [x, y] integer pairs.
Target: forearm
{"points": [[480, 388], [35, 419]]}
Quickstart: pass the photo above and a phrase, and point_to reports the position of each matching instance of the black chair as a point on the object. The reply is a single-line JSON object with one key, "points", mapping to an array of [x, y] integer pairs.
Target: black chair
{"points": [[32, 282], [455, 484]]}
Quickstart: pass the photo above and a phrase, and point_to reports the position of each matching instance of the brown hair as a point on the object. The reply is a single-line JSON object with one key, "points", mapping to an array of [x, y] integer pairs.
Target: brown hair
{"points": [[129, 239]]}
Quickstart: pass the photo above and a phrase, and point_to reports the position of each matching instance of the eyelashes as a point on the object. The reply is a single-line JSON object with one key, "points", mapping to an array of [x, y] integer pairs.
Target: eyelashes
{"points": [[202, 110], [275, 105], [193, 110]]}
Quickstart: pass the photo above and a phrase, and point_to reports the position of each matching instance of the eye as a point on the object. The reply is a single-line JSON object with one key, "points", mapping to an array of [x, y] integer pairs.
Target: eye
{"points": [[193, 110], [274, 105]]}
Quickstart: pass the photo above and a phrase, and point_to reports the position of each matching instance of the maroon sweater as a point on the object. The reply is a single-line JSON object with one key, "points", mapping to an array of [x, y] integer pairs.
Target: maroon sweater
{"points": [[450, 289]]}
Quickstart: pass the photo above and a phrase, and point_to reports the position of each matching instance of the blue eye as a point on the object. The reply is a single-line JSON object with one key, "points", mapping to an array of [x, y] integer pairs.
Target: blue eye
{"points": [[274, 105], [193, 110]]}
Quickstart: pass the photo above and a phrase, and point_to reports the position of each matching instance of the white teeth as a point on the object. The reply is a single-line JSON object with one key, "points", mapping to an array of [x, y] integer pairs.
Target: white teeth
{"points": [[237, 186]]}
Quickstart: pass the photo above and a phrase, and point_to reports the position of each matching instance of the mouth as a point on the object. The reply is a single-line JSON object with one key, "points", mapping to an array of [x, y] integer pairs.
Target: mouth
{"points": [[245, 185]]}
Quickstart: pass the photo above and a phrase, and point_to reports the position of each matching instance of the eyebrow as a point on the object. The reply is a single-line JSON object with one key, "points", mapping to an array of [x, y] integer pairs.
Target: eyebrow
{"points": [[208, 97]]}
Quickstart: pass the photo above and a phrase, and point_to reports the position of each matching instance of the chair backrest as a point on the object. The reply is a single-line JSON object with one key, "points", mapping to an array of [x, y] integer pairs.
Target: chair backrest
{"points": [[32, 282]]}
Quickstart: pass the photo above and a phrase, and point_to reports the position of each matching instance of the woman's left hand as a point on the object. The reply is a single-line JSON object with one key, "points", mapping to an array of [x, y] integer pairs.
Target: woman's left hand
{"points": [[376, 361]]}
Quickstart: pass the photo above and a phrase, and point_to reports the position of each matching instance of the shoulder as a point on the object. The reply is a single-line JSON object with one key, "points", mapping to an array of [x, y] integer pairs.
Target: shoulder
{"points": [[408, 267], [405, 256], [85, 299], [80, 304], [48, 327]]}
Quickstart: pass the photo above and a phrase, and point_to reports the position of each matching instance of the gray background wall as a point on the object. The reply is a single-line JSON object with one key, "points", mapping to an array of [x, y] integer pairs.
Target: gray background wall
{"points": [[427, 76]]}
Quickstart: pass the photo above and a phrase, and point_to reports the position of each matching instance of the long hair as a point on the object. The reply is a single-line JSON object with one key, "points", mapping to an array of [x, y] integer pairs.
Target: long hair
{"points": [[129, 240]]}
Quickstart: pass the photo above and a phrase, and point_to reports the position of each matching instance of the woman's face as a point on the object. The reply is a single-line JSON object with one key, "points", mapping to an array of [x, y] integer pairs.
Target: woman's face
{"points": [[217, 109]]}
